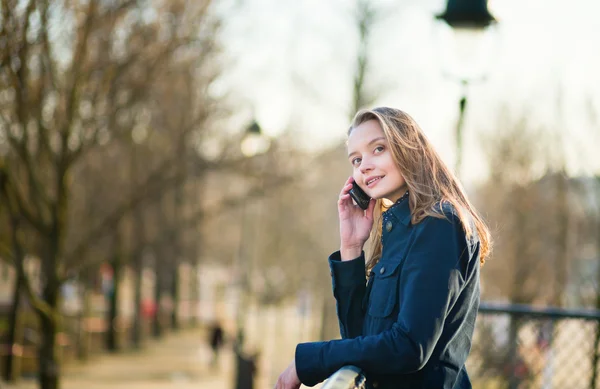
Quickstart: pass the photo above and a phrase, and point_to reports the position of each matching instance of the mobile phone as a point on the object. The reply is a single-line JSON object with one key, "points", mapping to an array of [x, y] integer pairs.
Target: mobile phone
{"points": [[359, 196]]}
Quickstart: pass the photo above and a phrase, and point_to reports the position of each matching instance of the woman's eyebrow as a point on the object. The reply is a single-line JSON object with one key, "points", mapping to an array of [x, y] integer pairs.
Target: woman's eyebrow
{"points": [[374, 140]]}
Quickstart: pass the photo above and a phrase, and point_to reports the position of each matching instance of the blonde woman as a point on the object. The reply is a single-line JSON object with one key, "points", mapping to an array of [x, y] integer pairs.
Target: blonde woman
{"points": [[407, 310]]}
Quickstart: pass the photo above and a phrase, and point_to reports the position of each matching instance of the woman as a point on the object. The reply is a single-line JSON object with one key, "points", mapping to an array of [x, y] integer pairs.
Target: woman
{"points": [[410, 323]]}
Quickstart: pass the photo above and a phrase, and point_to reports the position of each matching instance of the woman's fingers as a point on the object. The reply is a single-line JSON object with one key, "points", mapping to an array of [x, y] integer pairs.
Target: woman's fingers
{"points": [[344, 198], [345, 189], [347, 185], [371, 208]]}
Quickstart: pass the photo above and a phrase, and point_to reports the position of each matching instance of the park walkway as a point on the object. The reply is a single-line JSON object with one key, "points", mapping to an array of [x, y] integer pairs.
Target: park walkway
{"points": [[179, 360]]}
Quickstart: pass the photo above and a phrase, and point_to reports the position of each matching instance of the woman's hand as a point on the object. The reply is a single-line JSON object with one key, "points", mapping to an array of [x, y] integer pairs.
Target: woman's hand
{"points": [[289, 378], [355, 224]]}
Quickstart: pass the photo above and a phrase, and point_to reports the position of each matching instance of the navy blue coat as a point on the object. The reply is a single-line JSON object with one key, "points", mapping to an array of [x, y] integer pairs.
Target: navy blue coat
{"points": [[411, 325]]}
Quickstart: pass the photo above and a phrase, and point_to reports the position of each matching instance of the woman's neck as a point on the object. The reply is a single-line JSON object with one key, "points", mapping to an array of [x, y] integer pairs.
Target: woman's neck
{"points": [[403, 194]]}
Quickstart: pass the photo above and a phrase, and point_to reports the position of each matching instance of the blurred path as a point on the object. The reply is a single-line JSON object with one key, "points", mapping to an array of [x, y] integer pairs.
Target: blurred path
{"points": [[179, 360]]}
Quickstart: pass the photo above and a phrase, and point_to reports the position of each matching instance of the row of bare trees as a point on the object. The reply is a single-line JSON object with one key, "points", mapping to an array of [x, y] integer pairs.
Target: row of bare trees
{"points": [[545, 224], [105, 113], [545, 221], [106, 120], [105, 116]]}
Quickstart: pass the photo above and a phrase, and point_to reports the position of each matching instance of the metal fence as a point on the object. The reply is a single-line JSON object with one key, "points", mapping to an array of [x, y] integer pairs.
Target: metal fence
{"points": [[521, 347]]}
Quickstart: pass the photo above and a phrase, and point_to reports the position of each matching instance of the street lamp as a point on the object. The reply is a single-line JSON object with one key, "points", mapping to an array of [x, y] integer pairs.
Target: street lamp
{"points": [[467, 14], [254, 143], [470, 22]]}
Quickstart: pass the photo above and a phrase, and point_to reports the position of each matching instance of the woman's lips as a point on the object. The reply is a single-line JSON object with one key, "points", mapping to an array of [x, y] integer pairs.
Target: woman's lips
{"points": [[372, 182]]}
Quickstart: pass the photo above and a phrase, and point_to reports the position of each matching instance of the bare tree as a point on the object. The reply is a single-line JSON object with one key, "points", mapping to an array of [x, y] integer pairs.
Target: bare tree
{"points": [[14, 255], [74, 76], [365, 19]]}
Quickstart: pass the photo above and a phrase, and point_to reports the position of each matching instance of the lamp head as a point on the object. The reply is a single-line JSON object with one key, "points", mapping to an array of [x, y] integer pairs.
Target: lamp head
{"points": [[472, 14], [254, 141], [254, 129]]}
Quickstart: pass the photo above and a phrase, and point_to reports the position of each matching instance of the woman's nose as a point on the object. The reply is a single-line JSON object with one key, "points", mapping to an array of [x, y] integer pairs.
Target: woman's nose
{"points": [[366, 166]]}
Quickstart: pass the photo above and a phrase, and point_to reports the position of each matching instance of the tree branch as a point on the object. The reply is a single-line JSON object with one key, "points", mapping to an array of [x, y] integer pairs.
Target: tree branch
{"points": [[153, 185], [22, 100], [50, 64], [76, 73], [190, 221], [5, 254], [13, 193], [18, 258]]}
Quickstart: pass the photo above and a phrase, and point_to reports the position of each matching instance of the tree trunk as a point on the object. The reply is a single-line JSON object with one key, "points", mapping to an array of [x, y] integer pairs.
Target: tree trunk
{"points": [[11, 372], [596, 348], [48, 356], [178, 205], [138, 238], [14, 334], [195, 253], [513, 352], [112, 335], [194, 293], [83, 333], [595, 353], [136, 326], [365, 19], [161, 262], [175, 295], [49, 368], [157, 329], [517, 296], [562, 246]]}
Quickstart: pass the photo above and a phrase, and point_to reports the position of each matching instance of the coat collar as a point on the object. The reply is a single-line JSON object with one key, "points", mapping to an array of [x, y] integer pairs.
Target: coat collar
{"points": [[401, 211]]}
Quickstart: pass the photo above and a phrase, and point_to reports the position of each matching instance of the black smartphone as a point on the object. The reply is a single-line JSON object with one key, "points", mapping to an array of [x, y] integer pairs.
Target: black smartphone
{"points": [[359, 195]]}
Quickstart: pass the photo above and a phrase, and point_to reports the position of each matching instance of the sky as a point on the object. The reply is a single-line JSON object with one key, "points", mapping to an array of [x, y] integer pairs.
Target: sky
{"points": [[290, 64]]}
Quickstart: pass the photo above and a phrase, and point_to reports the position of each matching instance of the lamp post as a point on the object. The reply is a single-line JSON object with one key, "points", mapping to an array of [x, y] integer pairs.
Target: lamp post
{"points": [[469, 20], [254, 143]]}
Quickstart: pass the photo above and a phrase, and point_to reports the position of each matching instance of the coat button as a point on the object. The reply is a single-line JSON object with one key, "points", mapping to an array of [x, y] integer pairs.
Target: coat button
{"points": [[388, 226], [382, 270]]}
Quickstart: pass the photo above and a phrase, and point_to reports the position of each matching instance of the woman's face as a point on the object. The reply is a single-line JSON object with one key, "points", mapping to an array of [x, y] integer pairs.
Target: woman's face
{"points": [[373, 166]]}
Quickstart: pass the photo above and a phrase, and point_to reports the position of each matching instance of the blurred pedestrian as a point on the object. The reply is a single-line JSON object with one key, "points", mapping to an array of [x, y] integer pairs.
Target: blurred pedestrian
{"points": [[216, 340], [406, 313]]}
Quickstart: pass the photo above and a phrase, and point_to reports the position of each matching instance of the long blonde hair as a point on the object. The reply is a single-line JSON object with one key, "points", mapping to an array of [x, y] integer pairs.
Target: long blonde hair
{"points": [[428, 178]]}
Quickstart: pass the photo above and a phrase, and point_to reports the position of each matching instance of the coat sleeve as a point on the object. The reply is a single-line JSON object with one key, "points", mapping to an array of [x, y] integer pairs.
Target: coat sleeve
{"points": [[430, 282], [349, 284]]}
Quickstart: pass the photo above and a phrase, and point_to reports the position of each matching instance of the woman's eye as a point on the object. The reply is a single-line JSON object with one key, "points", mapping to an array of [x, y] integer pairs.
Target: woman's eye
{"points": [[356, 162], [378, 149]]}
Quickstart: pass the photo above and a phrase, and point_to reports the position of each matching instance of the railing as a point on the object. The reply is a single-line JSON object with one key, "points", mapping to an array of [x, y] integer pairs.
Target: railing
{"points": [[348, 377], [522, 347]]}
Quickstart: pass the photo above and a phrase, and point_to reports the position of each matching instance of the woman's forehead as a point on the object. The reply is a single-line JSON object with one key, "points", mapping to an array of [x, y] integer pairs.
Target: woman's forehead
{"points": [[364, 134]]}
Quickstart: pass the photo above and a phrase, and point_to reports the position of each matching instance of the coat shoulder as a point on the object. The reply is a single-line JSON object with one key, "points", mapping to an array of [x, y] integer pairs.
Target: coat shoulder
{"points": [[447, 211]]}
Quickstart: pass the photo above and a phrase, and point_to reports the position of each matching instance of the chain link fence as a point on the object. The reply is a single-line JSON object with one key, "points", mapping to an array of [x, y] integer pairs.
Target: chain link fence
{"points": [[521, 347]]}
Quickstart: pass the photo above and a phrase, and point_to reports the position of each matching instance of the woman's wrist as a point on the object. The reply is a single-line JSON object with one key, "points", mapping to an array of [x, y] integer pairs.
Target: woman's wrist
{"points": [[348, 253]]}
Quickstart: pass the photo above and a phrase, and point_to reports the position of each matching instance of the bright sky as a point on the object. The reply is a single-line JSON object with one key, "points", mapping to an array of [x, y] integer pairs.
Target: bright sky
{"points": [[292, 63]]}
